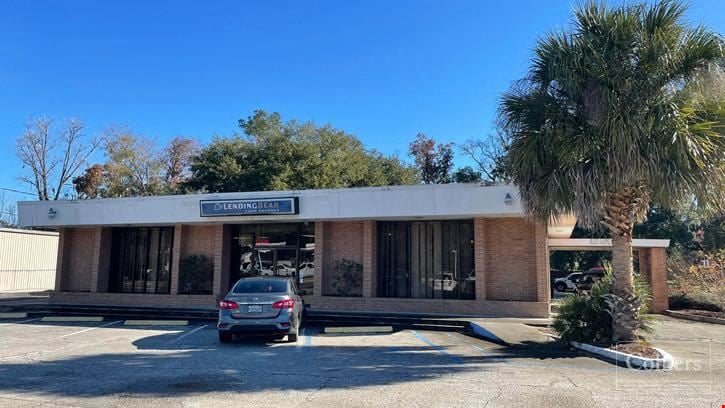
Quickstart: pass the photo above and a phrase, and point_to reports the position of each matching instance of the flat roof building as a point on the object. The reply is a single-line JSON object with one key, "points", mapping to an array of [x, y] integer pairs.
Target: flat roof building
{"points": [[440, 249]]}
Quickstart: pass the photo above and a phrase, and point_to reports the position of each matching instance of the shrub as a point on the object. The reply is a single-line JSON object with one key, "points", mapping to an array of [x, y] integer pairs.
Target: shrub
{"points": [[585, 317], [698, 281], [196, 274], [347, 278]]}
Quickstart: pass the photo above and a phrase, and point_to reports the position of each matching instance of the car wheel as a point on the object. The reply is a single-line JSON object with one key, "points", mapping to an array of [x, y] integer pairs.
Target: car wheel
{"points": [[225, 337], [560, 287], [292, 337]]}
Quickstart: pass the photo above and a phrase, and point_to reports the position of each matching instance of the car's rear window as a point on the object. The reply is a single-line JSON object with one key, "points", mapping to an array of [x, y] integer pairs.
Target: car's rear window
{"points": [[261, 286]]}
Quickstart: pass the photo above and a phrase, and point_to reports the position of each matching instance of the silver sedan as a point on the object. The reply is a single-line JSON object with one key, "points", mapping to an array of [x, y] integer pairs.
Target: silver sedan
{"points": [[261, 306]]}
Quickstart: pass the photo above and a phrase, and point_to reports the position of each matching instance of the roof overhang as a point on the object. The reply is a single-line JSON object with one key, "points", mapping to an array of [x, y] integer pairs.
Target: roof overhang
{"points": [[600, 244], [440, 201]]}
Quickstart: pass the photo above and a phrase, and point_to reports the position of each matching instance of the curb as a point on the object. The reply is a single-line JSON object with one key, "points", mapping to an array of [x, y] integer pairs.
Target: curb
{"points": [[694, 318], [71, 319], [629, 360], [156, 323], [13, 315]]}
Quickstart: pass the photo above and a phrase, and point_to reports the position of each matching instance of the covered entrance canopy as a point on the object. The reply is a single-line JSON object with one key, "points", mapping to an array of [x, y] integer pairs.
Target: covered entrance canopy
{"points": [[652, 261]]}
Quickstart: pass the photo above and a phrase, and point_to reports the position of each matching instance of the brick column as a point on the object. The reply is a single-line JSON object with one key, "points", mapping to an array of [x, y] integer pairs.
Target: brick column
{"points": [[644, 264], [100, 259], [217, 283], [479, 256], [319, 257], [658, 279], [543, 280], [63, 244], [176, 258], [225, 259], [369, 260]]}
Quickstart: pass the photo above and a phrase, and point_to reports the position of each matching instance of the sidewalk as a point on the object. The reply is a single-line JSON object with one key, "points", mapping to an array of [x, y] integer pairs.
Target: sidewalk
{"points": [[511, 331]]}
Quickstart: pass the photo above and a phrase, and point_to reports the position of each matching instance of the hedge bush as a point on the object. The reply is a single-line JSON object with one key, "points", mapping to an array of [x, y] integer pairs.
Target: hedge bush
{"points": [[196, 275], [585, 317]]}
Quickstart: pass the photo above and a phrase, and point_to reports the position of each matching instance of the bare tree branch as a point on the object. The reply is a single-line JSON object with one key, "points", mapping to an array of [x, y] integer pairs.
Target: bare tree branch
{"points": [[36, 149]]}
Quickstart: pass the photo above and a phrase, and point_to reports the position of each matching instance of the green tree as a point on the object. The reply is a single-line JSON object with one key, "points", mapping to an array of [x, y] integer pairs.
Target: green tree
{"points": [[132, 167], [277, 155], [612, 115], [466, 174]]}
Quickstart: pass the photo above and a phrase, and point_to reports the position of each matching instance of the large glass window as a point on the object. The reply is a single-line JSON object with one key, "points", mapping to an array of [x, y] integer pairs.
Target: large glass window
{"points": [[431, 260], [141, 260], [274, 250]]}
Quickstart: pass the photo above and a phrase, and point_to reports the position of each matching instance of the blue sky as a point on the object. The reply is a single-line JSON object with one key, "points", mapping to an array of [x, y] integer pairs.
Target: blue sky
{"points": [[382, 70]]}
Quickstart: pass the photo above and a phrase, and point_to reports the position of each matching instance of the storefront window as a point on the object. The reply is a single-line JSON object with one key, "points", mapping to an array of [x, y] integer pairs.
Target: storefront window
{"points": [[141, 260], [430, 260], [274, 250]]}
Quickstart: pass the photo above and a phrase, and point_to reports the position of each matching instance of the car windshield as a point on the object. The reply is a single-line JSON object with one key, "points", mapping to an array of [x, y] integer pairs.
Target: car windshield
{"points": [[261, 286]]}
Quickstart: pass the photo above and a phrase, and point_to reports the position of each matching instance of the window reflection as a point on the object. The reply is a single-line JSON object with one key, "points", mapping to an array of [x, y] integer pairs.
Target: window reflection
{"points": [[431, 260], [141, 260], [274, 250]]}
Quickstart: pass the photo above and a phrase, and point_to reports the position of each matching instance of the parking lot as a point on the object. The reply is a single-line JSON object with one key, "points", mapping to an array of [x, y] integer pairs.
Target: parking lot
{"points": [[106, 363]]}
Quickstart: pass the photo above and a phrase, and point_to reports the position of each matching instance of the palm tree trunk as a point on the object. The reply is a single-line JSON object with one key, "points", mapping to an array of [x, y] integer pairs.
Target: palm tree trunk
{"points": [[622, 210]]}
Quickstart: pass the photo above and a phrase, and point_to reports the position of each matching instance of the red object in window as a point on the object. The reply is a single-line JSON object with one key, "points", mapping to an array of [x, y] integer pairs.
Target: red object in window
{"points": [[262, 241], [284, 304], [227, 305]]}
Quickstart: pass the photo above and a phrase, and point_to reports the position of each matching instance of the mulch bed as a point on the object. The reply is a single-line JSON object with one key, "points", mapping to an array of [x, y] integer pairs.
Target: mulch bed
{"points": [[637, 349], [706, 313]]}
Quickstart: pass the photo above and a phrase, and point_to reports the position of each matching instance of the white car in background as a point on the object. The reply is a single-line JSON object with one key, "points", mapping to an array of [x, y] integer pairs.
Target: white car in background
{"points": [[567, 283]]}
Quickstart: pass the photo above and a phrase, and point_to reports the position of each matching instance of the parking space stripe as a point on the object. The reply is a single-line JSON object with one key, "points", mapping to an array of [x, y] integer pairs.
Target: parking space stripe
{"points": [[21, 321], [91, 328], [306, 343], [308, 340], [435, 346], [187, 334]]}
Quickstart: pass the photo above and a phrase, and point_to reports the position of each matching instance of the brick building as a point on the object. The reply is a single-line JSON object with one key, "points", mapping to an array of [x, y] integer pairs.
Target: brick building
{"points": [[439, 249]]}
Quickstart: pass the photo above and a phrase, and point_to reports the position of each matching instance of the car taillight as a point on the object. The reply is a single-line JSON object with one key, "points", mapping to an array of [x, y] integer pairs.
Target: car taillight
{"points": [[227, 305], [284, 304]]}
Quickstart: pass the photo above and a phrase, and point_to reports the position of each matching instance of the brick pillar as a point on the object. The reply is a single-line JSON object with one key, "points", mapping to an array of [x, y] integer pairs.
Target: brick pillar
{"points": [[226, 254], [100, 259], [658, 279], [217, 283], [543, 280], [176, 258], [479, 256], [319, 257], [369, 260], [644, 264], [63, 245]]}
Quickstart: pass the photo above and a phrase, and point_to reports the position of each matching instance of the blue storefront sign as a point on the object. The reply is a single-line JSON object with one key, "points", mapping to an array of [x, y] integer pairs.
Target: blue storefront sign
{"points": [[252, 206]]}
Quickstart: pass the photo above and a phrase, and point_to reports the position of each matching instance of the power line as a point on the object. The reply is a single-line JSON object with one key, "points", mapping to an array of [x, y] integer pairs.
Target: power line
{"points": [[16, 191]]}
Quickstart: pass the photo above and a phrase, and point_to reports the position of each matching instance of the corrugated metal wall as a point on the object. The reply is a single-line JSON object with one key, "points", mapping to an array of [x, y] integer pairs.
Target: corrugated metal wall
{"points": [[27, 260]]}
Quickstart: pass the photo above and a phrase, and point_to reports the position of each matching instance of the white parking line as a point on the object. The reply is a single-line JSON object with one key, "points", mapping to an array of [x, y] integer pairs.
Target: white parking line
{"points": [[91, 328], [22, 321], [187, 334]]}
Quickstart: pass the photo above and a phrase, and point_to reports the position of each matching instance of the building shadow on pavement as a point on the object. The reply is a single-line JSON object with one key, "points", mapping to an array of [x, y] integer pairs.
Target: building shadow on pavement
{"points": [[164, 365]]}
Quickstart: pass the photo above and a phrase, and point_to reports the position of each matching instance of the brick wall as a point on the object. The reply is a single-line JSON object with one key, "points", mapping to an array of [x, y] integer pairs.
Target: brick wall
{"points": [[76, 259], [657, 274], [431, 306], [200, 240], [510, 255], [342, 239], [511, 264]]}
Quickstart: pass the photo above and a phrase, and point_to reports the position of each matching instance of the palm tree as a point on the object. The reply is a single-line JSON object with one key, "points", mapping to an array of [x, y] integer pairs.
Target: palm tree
{"points": [[625, 109]]}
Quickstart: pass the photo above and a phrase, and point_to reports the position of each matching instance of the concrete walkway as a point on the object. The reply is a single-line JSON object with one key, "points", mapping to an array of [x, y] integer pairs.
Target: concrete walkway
{"points": [[511, 331]]}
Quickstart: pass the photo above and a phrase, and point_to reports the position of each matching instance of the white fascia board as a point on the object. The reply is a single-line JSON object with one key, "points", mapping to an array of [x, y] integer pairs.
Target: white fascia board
{"points": [[583, 244], [394, 202]]}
